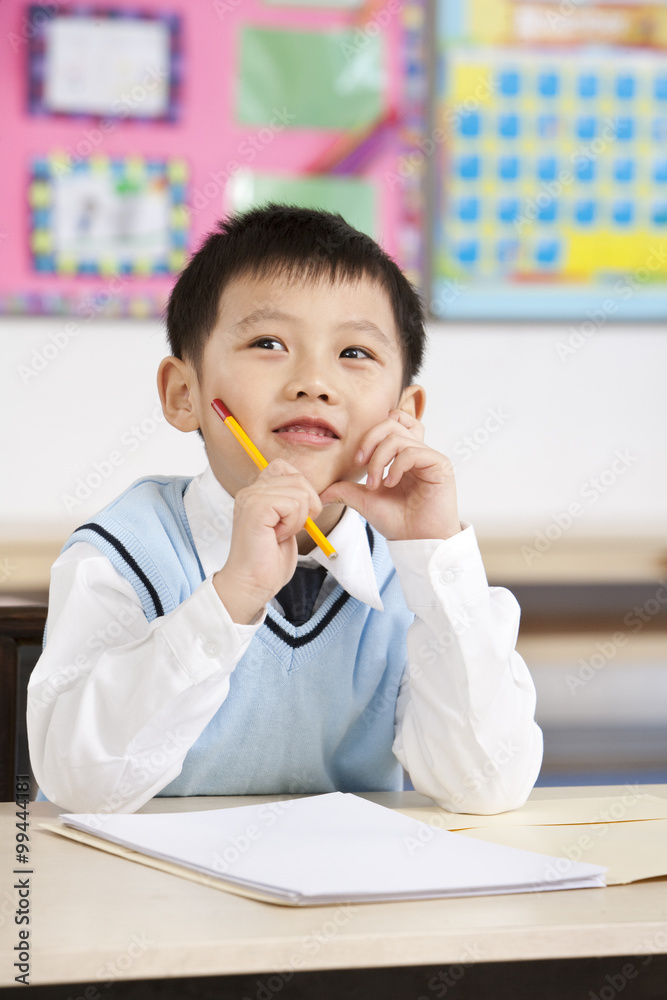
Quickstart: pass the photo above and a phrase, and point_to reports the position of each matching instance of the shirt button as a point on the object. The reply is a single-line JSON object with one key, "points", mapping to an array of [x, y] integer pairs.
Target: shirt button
{"points": [[449, 575], [211, 649]]}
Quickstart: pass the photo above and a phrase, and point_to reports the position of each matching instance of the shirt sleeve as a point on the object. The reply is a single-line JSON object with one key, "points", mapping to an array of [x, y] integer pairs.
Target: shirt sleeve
{"points": [[465, 728], [116, 702]]}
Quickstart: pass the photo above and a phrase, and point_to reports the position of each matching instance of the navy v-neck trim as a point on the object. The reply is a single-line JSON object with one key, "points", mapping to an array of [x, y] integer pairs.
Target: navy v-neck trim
{"points": [[296, 641]]}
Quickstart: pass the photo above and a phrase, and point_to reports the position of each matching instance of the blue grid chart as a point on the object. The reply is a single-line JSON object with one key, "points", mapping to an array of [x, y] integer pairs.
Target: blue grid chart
{"points": [[553, 181]]}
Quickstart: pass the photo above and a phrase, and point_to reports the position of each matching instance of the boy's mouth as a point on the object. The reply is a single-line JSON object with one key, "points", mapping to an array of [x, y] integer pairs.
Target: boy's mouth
{"points": [[307, 430]]}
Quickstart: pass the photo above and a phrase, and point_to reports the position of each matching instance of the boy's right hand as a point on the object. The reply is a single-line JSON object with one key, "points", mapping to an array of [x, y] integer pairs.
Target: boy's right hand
{"points": [[268, 515]]}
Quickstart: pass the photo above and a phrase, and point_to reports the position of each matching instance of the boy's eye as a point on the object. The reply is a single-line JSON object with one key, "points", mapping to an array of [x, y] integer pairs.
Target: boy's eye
{"points": [[270, 343], [355, 352]]}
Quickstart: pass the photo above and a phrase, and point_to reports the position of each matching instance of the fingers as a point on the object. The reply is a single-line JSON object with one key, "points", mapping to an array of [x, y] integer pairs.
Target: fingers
{"points": [[387, 452], [398, 422], [403, 455], [279, 472], [281, 497], [433, 467], [286, 513]]}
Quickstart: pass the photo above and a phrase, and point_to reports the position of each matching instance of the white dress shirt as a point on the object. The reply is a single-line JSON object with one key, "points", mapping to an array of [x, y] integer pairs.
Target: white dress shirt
{"points": [[115, 702]]}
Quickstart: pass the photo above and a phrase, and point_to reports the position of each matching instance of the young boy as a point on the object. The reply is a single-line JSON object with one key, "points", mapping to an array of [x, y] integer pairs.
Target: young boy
{"points": [[176, 663]]}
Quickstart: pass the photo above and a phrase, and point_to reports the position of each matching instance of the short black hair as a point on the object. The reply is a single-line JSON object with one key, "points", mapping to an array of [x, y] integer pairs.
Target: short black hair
{"points": [[295, 243]]}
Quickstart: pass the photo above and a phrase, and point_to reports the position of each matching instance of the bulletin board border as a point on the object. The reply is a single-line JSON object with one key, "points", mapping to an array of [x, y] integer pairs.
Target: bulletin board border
{"points": [[41, 15], [48, 172]]}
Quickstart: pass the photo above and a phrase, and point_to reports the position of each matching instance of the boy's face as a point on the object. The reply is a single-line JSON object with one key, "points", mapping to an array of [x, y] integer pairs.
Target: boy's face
{"points": [[306, 369]]}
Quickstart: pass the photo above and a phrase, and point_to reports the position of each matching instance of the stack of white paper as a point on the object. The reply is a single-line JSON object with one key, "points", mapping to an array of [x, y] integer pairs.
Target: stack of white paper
{"points": [[333, 848]]}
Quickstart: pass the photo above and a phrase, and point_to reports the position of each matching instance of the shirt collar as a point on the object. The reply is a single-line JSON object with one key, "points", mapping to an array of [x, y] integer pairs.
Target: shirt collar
{"points": [[209, 508]]}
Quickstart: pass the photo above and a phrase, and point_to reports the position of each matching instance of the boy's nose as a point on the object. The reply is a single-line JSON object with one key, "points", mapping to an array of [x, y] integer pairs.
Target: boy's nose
{"points": [[311, 385]]}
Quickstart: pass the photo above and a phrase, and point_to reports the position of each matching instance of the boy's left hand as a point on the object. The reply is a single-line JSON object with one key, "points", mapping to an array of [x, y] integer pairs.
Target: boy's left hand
{"points": [[417, 498]]}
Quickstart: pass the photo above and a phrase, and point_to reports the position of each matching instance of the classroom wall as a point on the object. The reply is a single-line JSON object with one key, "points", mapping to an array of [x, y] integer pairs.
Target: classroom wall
{"points": [[535, 418]]}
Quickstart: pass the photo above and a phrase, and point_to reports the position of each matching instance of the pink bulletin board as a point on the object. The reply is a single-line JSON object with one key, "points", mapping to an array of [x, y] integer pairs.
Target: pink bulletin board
{"points": [[205, 146]]}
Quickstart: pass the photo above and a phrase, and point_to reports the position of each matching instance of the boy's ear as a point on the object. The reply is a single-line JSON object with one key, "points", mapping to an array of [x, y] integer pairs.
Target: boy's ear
{"points": [[175, 381], [413, 401]]}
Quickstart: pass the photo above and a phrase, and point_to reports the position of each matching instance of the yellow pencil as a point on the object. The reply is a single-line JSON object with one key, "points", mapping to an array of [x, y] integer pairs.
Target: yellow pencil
{"points": [[261, 463]]}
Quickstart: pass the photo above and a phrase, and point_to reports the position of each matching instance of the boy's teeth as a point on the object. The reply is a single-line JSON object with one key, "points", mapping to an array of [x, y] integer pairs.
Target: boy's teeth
{"points": [[310, 430]]}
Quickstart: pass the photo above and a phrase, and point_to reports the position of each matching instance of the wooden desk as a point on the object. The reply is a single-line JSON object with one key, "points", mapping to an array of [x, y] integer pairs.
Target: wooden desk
{"points": [[97, 919]]}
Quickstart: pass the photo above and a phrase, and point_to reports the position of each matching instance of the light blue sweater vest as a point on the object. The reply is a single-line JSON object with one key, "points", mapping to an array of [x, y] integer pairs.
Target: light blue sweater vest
{"points": [[310, 708]]}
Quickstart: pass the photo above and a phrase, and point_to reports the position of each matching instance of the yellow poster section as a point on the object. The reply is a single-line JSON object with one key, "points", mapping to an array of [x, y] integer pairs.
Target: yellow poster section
{"points": [[607, 250], [552, 21], [490, 20], [471, 82]]}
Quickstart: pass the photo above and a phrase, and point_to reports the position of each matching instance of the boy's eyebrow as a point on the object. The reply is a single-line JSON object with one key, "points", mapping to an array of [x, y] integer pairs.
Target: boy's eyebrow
{"points": [[357, 325], [369, 328], [259, 316]]}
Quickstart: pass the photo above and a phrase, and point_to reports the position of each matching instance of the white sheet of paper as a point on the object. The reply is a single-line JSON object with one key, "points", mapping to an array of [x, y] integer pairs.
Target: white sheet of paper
{"points": [[93, 218], [102, 65], [333, 848]]}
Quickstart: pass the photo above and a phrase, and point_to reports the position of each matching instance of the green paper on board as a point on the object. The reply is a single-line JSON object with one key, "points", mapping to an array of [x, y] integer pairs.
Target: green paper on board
{"points": [[322, 80], [355, 199]]}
